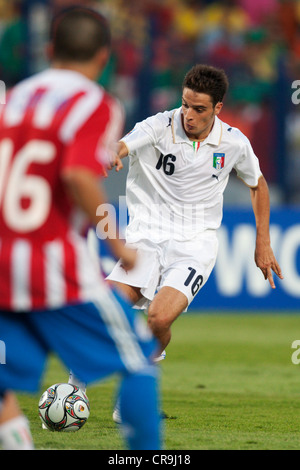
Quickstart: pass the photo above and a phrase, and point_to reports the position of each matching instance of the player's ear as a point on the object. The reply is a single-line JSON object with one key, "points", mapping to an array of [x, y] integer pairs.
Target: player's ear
{"points": [[49, 52], [218, 108], [102, 57]]}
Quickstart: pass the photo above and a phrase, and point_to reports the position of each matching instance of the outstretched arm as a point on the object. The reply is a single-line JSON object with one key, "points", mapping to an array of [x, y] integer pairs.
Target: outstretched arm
{"points": [[120, 152], [264, 256]]}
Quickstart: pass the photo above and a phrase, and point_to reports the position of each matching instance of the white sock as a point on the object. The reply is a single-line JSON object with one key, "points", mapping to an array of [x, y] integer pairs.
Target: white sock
{"points": [[15, 434], [73, 380], [161, 357]]}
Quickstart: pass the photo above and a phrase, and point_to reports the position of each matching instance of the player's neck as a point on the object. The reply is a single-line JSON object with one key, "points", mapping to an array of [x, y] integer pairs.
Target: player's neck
{"points": [[88, 69]]}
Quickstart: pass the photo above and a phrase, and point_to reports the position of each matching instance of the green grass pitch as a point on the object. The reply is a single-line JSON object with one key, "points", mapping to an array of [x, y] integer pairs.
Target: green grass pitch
{"points": [[228, 382]]}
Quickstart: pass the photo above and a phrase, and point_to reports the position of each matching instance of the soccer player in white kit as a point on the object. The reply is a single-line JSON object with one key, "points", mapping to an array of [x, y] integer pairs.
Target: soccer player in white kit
{"points": [[180, 162]]}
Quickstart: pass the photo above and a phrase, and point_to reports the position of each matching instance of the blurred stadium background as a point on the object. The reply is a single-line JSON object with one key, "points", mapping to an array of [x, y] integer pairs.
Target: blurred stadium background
{"points": [[155, 42]]}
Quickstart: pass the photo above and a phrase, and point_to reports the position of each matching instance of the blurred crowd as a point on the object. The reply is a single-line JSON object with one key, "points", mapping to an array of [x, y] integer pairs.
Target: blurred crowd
{"points": [[156, 41]]}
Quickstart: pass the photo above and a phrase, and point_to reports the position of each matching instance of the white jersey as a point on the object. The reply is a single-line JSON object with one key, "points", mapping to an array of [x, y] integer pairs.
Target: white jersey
{"points": [[175, 186]]}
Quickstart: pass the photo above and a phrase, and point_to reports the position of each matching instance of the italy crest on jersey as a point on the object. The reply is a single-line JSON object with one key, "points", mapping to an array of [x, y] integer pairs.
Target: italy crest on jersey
{"points": [[218, 161]]}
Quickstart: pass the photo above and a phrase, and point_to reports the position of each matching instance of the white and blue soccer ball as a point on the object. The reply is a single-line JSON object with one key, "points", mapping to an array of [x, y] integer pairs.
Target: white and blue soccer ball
{"points": [[64, 407]]}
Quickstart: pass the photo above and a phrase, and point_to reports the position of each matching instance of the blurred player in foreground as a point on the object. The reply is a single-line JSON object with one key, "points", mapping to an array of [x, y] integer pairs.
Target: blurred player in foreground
{"points": [[180, 162], [54, 135]]}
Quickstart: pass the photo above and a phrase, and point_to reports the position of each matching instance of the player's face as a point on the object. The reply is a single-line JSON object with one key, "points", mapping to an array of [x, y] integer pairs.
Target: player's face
{"points": [[198, 113]]}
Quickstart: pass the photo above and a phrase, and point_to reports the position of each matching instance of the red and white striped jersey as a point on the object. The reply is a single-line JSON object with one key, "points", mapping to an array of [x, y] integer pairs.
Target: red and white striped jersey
{"points": [[51, 121]]}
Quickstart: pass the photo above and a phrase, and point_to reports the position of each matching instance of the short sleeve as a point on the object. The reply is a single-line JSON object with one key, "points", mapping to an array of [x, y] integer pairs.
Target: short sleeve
{"points": [[144, 133], [247, 166]]}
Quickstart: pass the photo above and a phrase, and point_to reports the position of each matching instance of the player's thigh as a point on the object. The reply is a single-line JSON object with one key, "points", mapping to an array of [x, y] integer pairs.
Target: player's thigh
{"points": [[132, 293], [166, 306]]}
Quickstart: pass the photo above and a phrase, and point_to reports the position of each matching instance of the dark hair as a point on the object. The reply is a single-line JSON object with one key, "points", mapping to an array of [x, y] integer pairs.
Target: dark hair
{"points": [[78, 33], [207, 79]]}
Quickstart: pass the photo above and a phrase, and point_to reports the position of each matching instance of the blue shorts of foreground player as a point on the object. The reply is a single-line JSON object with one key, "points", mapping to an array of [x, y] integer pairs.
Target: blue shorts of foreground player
{"points": [[94, 340]]}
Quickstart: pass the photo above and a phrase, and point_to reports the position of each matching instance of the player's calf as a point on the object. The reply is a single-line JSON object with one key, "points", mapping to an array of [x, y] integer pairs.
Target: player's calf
{"points": [[140, 411], [14, 428]]}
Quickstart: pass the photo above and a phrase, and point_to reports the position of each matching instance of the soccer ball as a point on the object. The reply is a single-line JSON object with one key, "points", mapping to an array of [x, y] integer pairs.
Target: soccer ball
{"points": [[64, 407]]}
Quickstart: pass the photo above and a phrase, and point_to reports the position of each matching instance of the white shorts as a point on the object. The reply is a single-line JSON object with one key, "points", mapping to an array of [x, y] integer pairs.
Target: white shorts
{"points": [[183, 265]]}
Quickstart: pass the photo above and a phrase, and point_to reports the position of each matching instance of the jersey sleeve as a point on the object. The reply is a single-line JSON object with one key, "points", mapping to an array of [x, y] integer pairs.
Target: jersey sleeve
{"points": [[90, 147], [144, 133], [247, 167]]}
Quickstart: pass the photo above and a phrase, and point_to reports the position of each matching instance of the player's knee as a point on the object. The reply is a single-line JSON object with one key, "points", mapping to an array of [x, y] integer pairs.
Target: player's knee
{"points": [[157, 321]]}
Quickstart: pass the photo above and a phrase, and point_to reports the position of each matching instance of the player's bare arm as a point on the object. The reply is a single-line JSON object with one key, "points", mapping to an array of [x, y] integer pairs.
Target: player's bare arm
{"points": [[86, 191], [121, 151], [264, 256]]}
